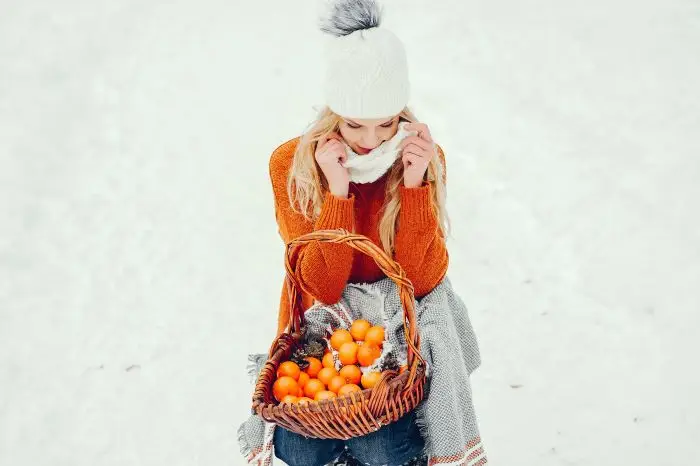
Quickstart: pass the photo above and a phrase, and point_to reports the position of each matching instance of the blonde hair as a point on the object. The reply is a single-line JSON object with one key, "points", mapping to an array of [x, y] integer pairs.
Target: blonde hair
{"points": [[306, 184]]}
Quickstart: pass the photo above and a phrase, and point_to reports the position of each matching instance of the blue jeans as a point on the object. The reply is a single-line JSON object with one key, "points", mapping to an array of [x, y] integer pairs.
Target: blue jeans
{"points": [[393, 445]]}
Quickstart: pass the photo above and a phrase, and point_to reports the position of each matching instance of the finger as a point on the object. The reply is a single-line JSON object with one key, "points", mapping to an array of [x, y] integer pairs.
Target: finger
{"points": [[416, 149], [415, 140], [415, 162], [419, 151], [335, 136], [342, 156], [324, 139], [415, 126], [332, 146], [337, 141], [423, 131], [336, 151], [411, 159]]}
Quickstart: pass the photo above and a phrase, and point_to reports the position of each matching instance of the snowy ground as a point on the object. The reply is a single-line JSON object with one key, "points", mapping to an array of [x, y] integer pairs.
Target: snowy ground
{"points": [[140, 262]]}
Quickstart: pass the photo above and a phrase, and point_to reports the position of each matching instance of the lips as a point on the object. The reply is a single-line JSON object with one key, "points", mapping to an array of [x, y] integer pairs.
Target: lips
{"points": [[362, 150]]}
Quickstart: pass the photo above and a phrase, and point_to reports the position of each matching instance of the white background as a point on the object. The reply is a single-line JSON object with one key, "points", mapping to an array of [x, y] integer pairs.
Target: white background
{"points": [[140, 260]]}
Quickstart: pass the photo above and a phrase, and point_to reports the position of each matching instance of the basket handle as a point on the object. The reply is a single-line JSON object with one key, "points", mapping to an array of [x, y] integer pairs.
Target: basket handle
{"points": [[390, 268]]}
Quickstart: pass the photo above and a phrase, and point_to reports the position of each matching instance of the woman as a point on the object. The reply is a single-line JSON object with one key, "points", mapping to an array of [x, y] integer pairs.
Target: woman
{"points": [[399, 205]]}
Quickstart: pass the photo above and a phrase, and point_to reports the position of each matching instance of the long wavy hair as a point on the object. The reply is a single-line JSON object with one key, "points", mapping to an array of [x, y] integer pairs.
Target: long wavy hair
{"points": [[306, 184]]}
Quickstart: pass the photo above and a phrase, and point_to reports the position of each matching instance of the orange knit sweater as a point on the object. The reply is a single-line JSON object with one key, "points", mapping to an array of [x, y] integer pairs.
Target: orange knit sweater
{"points": [[326, 268]]}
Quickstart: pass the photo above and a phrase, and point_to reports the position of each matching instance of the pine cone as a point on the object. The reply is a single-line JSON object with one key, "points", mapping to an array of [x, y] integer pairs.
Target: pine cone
{"points": [[312, 349], [299, 357], [390, 363], [315, 349]]}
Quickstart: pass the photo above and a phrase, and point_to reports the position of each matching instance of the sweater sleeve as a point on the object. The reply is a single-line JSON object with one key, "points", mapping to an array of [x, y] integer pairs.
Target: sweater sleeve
{"points": [[323, 268], [419, 244]]}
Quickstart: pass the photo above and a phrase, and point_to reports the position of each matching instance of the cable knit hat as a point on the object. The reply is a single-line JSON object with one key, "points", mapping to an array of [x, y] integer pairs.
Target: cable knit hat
{"points": [[366, 70]]}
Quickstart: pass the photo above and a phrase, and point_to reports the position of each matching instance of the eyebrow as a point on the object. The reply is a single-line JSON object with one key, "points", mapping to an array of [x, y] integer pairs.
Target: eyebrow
{"points": [[356, 123]]}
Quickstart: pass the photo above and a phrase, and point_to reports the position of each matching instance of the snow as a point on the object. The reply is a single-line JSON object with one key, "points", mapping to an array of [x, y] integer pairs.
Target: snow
{"points": [[140, 261]]}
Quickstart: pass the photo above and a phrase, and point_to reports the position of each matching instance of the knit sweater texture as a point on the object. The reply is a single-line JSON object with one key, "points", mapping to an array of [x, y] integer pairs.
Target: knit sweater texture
{"points": [[326, 268]]}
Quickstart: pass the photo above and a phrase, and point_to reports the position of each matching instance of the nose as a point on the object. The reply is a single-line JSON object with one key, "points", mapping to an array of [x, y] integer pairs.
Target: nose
{"points": [[370, 139]]}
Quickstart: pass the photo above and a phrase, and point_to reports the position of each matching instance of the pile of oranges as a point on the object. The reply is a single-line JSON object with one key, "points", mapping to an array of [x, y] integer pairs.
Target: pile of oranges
{"points": [[356, 348]]}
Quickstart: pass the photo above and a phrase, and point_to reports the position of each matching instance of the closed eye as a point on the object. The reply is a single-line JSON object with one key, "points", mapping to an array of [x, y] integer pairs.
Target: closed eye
{"points": [[385, 125]]}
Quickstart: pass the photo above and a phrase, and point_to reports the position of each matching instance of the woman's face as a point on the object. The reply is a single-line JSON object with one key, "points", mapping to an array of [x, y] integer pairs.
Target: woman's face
{"points": [[364, 135]]}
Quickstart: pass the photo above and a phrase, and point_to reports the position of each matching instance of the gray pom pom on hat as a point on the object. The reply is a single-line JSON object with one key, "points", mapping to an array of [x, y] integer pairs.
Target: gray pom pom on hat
{"points": [[344, 17]]}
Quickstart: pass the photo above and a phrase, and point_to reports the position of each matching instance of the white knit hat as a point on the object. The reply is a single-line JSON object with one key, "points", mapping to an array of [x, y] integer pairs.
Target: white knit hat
{"points": [[366, 70]]}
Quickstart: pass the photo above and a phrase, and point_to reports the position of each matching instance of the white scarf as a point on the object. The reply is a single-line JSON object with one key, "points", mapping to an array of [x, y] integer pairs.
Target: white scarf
{"points": [[370, 167]]}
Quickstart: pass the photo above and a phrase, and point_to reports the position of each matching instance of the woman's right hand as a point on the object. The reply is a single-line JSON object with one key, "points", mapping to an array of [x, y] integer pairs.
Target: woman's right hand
{"points": [[330, 155]]}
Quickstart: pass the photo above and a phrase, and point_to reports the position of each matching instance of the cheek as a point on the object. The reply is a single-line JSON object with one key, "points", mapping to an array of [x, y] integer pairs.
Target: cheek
{"points": [[388, 133], [348, 134]]}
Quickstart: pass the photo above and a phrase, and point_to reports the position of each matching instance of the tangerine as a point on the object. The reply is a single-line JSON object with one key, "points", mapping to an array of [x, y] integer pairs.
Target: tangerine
{"points": [[290, 399], [312, 387], [339, 337], [370, 379], [314, 366], [284, 386], [324, 395], [336, 383], [359, 328], [348, 388], [348, 353], [288, 368], [367, 354], [351, 374], [328, 360], [303, 378], [375, 335], [326, 374]]}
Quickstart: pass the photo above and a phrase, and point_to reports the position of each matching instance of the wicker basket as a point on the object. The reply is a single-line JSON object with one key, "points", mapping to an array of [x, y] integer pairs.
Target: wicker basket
{"points": [[361, 412]]}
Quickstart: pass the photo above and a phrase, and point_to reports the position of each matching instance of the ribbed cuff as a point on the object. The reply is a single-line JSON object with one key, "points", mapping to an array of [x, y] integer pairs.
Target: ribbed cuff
{"points": [[336, 212], [416, 206]]}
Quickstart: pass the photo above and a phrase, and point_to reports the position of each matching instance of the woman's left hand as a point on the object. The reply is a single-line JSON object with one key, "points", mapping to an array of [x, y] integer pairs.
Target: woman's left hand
{"points": [[416, 154]]}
